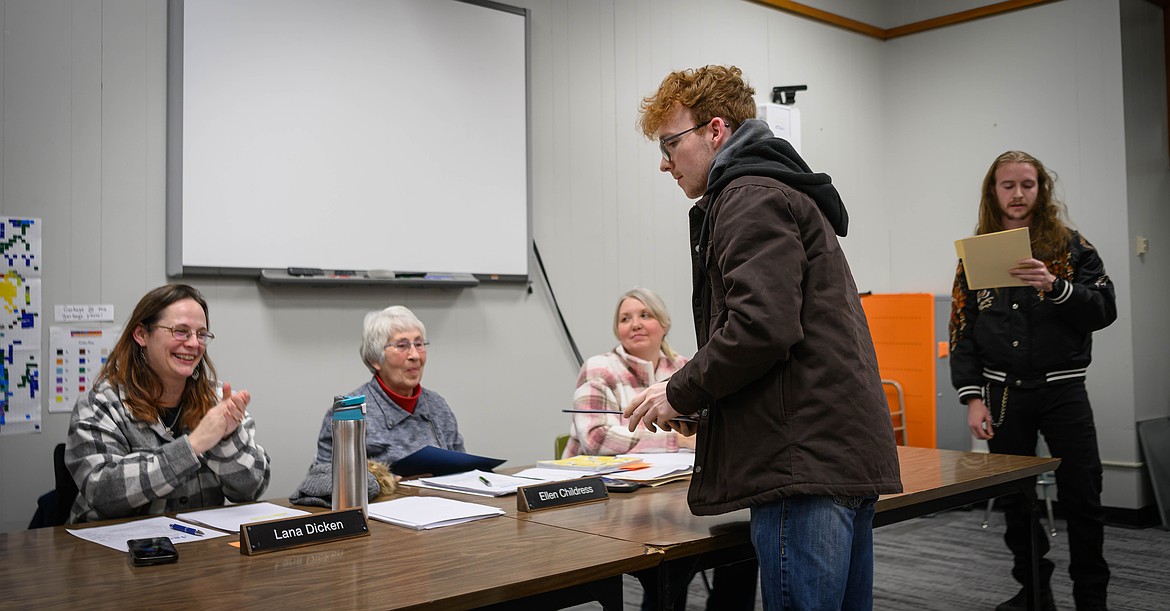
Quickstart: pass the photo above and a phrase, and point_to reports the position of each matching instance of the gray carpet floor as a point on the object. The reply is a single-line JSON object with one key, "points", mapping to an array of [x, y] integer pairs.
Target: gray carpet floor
{"points": [[948, 562]]}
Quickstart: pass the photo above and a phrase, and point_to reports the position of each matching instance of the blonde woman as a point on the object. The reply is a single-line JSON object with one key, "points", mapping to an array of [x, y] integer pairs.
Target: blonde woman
{"points": [[609, 381]]}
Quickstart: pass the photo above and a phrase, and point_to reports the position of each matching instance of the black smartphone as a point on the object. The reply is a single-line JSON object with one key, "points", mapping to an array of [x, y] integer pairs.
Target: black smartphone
{"points": [[157, 550], [620, 485]]}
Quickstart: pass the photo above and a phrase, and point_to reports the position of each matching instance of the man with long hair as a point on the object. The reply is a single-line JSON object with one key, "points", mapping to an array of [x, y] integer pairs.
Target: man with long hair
{"points": [[1018, 360]]}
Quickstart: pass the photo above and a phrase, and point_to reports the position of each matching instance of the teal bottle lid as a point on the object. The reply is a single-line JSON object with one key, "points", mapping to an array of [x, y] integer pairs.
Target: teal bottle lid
{"points": [[349, 407]]}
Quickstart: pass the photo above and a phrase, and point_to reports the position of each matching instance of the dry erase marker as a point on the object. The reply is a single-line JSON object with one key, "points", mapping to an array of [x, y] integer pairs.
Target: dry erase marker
{"points": [[187, 529], [485, 481]]}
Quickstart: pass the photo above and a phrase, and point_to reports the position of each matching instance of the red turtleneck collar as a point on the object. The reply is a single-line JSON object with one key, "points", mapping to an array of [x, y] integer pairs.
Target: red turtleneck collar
{"points": [[406, 403]]}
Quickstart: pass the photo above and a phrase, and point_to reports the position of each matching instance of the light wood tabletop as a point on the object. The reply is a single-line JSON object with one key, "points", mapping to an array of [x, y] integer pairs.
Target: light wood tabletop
{"points": [[659, 517], [455, 567], [932, 480], [650, 533]]}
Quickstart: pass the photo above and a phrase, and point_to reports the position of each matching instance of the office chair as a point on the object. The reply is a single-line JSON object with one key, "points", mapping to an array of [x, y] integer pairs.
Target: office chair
{"points": [[66, 487], [1046, 481], [54, 506], [559, 446], [898, 416]]}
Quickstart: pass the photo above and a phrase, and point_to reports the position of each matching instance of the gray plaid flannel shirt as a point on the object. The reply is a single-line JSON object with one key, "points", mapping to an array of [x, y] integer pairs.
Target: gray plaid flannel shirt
{"points": [[127, 467]]}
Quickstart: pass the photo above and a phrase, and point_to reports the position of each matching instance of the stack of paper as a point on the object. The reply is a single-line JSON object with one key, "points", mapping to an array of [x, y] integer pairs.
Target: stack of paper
{"points": [[424, 512], [475, 482], [231, 517], [652, 476], [594, 464], [544, 474], [664, 467]]}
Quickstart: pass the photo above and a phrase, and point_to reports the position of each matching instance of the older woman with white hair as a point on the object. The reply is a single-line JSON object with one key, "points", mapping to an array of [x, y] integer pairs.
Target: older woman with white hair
{"points": [[401, 416]]}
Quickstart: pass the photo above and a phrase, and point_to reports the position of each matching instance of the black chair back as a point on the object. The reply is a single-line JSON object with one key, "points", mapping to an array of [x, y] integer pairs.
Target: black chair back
{"points": [[66, 487], [53, 507]]}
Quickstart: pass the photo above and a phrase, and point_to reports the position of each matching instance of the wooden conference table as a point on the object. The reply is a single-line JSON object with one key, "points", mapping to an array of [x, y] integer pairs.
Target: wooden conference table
{"points": [[538, 560], [932, 480]]}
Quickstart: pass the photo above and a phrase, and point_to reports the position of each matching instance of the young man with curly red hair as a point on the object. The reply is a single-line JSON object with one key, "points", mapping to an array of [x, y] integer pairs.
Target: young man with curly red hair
{"points": [[793, 420]]}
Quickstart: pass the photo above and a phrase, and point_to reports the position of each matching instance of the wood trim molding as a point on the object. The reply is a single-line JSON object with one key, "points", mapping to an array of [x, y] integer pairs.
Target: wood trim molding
{"points": [[910, 28], [962, 16], [954, 18], [825, 17]]}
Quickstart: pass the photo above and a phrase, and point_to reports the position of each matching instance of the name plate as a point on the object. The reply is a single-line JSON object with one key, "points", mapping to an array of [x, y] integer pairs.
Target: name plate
{"points": [[561, 494], [286, 533]]}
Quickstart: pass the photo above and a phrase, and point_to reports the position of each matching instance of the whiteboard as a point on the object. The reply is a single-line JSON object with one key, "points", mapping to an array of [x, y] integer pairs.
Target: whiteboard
{"points": [[347, 134]]}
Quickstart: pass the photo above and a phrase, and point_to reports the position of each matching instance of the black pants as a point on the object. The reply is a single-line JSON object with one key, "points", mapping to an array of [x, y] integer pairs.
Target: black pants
{"points": [[1061, 412]]}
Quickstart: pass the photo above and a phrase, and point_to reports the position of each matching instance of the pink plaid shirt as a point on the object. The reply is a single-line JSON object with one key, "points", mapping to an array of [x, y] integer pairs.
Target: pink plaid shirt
{"points": [[608, 382]]}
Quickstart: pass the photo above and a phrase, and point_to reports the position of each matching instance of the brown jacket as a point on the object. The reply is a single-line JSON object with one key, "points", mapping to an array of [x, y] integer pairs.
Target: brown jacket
{"points": [[785, 380]]}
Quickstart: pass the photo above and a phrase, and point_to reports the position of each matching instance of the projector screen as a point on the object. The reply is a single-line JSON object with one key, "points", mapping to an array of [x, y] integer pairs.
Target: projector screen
{"points": [[347, 134]]}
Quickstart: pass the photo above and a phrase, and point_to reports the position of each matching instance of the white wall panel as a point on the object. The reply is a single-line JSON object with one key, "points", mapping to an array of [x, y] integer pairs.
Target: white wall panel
{"points": [[1148, 182], [35, 115]]}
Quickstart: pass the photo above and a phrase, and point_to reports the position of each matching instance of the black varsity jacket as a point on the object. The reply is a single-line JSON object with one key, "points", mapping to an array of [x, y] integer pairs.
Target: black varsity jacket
{"points": [[1025, 338]]}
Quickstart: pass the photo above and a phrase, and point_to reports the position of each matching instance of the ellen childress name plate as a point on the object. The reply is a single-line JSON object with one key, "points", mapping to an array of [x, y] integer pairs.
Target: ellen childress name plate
{"points": [[286, 533], [561, 494]]}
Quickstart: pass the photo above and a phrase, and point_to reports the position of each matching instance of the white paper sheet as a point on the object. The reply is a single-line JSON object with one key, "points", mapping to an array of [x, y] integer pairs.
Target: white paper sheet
{"points": [[424, 512], [650, 474], [552, 475], [231, 517], [115, 536], [418, 483], [472, 481], [681, 458]]}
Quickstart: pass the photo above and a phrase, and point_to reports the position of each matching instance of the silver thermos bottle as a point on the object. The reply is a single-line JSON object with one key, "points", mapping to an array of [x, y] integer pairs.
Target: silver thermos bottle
{"points": [[349, 452]]}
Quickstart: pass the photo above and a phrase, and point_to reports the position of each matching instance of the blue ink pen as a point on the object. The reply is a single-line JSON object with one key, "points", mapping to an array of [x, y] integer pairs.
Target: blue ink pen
{"points": [[187, 529]]}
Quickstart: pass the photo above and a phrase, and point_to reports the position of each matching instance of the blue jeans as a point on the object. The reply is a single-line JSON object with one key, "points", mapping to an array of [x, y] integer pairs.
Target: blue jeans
{"points": [[815, 552]]}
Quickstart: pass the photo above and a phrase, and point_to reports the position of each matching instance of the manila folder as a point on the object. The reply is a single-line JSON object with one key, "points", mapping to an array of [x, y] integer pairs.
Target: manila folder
{"points": [[988, 257]]}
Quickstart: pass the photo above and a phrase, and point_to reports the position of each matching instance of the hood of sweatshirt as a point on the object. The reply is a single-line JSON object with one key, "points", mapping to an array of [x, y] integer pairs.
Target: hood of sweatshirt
{"points": [[753, 150]]}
